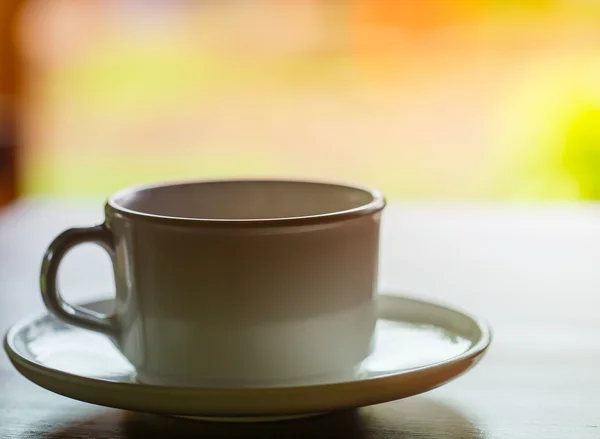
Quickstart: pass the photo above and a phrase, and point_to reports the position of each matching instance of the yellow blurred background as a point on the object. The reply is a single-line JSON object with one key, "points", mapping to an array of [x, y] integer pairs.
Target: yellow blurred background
{"points": [[471, 99]]}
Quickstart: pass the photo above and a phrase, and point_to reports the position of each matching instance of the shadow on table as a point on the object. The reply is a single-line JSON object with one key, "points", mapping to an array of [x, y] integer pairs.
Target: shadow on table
{"points": [[417, 417]]}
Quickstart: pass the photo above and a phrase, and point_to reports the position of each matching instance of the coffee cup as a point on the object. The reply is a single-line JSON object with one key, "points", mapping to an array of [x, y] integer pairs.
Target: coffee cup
{"points": [[229, 283]]}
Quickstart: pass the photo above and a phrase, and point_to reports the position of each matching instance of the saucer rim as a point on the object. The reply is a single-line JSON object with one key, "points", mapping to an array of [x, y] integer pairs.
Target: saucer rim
{"points": [[385, 382]]}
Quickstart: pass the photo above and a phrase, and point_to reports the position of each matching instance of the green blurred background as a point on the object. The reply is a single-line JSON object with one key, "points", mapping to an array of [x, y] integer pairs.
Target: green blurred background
{"points": [[471, 99]]}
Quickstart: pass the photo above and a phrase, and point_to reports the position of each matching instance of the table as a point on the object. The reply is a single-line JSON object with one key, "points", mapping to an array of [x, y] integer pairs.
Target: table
{"points": [[531, 270]]}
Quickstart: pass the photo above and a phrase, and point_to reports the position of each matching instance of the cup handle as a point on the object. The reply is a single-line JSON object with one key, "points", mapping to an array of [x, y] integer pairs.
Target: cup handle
{"points": [[53, 300]]}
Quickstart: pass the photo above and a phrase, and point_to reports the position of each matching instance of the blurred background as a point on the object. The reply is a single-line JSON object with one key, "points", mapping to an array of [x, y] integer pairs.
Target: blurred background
{"points": [[441, 99]]}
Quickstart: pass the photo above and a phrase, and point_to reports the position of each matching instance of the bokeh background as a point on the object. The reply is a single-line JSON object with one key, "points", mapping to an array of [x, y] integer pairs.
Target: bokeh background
{"points": [[443, 99]]}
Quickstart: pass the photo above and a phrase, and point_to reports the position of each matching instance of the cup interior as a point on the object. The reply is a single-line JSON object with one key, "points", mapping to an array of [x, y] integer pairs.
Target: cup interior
{"points": [[244, 199]]}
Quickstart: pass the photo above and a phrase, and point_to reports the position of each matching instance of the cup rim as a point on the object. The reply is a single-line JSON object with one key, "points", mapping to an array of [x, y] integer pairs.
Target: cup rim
{"points": [[377, 203]]}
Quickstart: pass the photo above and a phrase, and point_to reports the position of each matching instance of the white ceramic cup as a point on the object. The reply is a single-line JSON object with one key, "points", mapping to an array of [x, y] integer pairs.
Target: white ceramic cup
{"points": [[235, 282]]}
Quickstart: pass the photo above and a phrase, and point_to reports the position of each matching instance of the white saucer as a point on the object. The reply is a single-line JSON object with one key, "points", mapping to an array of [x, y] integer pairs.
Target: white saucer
{"points": [[419, 346]]}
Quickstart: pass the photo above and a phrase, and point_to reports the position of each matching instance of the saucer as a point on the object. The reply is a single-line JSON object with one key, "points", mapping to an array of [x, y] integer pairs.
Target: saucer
{"points": [[418, 346]]}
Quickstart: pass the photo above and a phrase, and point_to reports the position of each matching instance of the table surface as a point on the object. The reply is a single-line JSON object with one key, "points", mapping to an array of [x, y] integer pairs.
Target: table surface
{"points": [[530, 270]]}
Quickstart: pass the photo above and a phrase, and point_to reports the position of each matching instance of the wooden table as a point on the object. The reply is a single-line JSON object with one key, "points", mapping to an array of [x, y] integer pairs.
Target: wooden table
{"points": [[531, 270]]}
